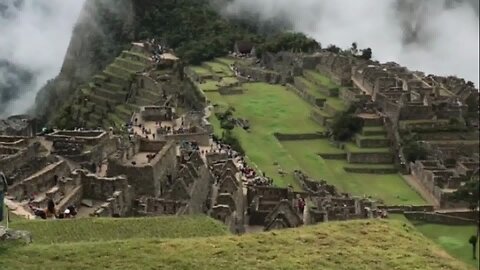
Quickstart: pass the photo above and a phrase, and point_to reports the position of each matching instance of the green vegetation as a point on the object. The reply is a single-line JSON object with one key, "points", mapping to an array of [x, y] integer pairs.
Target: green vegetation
{"points": [[345, 126], [390, 188], [312, 89], [288, 42], [269, 109], [272, 109], [371, 245], [453, 238], [353, 148], [109, 229], [193, 28], [320, 79]]}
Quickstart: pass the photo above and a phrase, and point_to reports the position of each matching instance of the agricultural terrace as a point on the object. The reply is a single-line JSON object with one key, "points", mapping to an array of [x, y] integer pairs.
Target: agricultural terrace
{"points": [[274, 109]]}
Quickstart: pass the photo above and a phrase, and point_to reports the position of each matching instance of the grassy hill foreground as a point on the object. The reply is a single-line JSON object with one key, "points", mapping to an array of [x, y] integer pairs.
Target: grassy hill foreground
{"points": [[373, 244], [108, 229]]}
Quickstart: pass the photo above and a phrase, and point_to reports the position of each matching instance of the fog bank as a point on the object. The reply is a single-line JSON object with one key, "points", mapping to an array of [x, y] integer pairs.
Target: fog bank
{"points": [[434, 36], [34, 37]]}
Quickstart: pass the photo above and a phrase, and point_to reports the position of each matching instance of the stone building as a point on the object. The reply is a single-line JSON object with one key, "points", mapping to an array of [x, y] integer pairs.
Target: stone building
{"points": [[227, 197], [148, 165], [283, 216], [18, 125]]}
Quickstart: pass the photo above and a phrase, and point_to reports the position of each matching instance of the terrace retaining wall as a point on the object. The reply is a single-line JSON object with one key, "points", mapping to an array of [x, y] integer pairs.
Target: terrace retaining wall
{"points": [[370, 158], [370, 170], [437, 218], [299, 137]]}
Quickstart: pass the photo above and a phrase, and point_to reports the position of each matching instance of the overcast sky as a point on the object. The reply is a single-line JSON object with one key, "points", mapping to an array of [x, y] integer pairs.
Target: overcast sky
{"points": [[447, 38], [35, 37]]}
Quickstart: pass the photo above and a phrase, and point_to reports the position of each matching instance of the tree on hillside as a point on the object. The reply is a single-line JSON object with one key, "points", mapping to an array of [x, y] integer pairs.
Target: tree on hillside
{"points": [[334, 49], [413, 151], [470, 193], [193, 28], [345, 125], [288, 41], [366, 54], [473, 241]]}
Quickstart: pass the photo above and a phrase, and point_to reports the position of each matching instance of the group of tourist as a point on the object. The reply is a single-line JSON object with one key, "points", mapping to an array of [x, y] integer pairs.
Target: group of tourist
{"points": [[248, 174], [156, 50], [50, 212]]}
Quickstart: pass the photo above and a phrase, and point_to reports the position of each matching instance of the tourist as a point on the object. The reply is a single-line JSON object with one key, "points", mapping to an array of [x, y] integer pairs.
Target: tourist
{"points": [[66, 213], [50, 212], [73, 211]]}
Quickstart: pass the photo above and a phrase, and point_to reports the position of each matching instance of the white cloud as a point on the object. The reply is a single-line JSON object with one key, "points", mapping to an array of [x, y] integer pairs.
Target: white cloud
{"points": [[36, 37], [448, 38]]}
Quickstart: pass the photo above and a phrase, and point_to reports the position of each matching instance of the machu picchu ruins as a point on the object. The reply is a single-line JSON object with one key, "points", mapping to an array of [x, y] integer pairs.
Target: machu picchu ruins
{"points": [[261, 138]]}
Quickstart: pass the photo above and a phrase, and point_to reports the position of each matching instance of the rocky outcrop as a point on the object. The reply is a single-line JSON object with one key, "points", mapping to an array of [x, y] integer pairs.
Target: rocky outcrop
{"points": [[9, 235], [102, 30]]}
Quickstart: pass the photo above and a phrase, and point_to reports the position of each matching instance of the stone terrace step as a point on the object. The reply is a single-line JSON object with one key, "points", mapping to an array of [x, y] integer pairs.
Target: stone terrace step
{"points": [[120, 71], [384, 169], [118, 96], [117, 120], [320, 116], [135, 57], [330, 109], [113, 78], [149, 94], [101, 101], [112, 87], [129, 64], [99, 78], [378, 141], [326, 90], [371, 131], [141, 101], [97, 108]]}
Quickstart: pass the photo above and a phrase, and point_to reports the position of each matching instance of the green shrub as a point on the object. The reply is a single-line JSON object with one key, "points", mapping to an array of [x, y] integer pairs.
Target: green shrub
{"points": [[345, 125]]}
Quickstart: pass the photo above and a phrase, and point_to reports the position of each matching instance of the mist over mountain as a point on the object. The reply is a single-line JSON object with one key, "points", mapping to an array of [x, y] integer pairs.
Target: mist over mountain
{"points": [[34, 38], [435, 36]]}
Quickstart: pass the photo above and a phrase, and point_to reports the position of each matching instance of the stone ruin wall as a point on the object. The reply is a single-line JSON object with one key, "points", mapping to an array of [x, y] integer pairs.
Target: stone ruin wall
{"points": [[371, 158], [199, 192], [14, 141], [306, 95], [87, 137], [161, 207], [202, 138], [147, 179], [437, 218], [337, 67], [412, 111], [9, 163], [39, 182], [116, 193], [146, 82], [153, 113], [261, 75], [192, 94]]}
